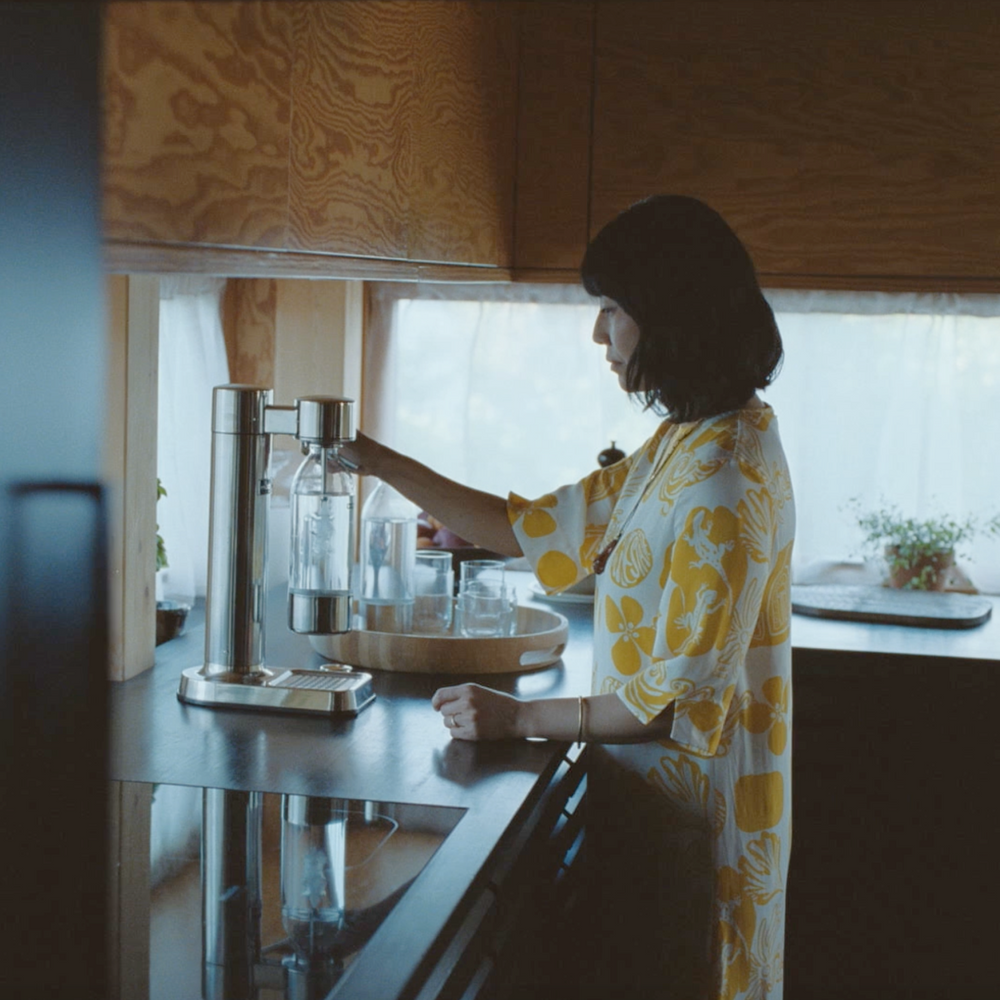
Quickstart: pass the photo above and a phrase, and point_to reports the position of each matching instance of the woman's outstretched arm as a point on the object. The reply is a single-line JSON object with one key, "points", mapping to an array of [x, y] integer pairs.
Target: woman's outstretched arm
{"points": [[474, 515]]}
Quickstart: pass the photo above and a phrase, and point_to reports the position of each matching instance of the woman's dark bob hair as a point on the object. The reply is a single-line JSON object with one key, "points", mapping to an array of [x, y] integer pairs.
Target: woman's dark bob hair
{"points": [[707, 336]]}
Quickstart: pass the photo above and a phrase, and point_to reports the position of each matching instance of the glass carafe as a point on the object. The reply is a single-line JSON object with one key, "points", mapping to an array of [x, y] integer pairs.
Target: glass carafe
{"points": [[388, 554]]}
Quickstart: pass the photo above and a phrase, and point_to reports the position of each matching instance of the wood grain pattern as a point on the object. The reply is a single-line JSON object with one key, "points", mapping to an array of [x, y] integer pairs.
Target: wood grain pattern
{"points": [[402, 133], [462, 201], [113, 460], [351, 139], [539, 642], [248, 320], [376, 129], [197, 109], [121, 257], [129, 888], [317, 340], [851, 145], [553, 137], [853, 140]]}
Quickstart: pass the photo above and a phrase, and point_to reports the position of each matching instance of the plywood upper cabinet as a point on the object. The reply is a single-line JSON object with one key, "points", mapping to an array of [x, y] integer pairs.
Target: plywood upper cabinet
{"points": [[555, 89], [851, 144], [853, 141], [370, 129], [403, 130], [197, 106]]}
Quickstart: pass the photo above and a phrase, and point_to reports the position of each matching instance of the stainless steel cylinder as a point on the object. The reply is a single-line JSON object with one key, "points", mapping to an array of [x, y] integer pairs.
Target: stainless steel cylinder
{"points": [[319, 614], [325, 420], [237, 533]]}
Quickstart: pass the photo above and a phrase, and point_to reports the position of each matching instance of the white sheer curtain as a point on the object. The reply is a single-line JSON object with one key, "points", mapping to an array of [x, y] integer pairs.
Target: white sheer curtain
{"points": [[890, 399], [883, 397], [192, 361], [502, 395]]}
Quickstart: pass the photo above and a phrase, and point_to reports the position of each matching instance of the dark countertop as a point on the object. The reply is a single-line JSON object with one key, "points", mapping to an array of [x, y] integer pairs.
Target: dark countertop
{"points": [[395, 750]]}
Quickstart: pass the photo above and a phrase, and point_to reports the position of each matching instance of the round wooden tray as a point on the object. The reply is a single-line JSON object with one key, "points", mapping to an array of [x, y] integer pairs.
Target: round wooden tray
{"points": [[539, 641]]}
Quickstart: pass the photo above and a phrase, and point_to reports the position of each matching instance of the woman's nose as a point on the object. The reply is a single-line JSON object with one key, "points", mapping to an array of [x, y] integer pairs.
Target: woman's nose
{"points": [[600, 335]]}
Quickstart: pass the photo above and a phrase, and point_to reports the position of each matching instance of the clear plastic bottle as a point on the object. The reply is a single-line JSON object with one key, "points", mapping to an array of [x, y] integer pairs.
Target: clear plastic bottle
{"points": [[388, 556], [322, 545]]}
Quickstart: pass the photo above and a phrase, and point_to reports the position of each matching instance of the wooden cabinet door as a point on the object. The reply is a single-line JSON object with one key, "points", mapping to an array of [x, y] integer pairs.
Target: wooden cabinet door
{"points": [[197, 104], [376, 129], [403, 130], [853, 141]]}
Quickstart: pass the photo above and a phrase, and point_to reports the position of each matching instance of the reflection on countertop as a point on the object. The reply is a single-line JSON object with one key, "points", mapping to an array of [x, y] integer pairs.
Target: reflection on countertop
{"points": [[267, 895]]}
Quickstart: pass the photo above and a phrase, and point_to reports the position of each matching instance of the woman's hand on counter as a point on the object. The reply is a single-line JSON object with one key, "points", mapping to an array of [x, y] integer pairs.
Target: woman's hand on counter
{"points": [[474, 712]]}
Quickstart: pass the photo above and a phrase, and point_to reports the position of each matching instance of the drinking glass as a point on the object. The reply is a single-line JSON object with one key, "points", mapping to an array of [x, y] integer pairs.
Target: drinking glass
{"points": [[434, 585], [482, 598]]}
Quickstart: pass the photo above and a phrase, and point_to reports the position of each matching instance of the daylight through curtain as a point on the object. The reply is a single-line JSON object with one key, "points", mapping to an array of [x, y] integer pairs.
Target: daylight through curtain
{"points": [[192, 360], [886, 398]]}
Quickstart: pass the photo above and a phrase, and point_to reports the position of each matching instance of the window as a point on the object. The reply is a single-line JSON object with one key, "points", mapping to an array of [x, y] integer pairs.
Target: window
{"points": [[881, 397], [192, 359], [500, 393]]}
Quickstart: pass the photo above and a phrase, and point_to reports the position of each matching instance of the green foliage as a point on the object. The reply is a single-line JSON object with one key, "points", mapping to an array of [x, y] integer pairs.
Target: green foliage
{"points": [[161, 549], [909, 543]]}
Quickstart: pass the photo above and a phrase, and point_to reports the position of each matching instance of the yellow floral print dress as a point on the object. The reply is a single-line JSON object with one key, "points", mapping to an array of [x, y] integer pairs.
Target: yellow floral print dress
{"points": [[693, 611]]}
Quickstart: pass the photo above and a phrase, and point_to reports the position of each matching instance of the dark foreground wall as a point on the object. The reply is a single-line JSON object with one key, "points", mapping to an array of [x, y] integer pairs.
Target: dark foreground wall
{"points": [[52, 578]]}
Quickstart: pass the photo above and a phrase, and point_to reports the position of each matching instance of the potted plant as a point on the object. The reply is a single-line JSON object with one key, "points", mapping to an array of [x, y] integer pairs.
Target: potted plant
{"points": [[161, 548], [919, 553], [170, 615]]}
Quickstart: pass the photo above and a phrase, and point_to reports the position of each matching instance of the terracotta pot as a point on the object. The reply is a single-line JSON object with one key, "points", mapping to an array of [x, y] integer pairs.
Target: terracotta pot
{"points": [[942, 570]]}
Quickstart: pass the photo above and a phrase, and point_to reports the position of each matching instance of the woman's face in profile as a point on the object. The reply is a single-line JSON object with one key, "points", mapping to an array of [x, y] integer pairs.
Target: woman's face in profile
{"points": [[619, 334]]}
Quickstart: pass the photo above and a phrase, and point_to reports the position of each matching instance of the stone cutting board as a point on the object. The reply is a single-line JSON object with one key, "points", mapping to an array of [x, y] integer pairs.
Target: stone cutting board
{"points": [[885, 606]]}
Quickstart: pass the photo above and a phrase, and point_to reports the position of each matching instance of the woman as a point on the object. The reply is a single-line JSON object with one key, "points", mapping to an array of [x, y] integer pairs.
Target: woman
{"points": [[690, 538]]}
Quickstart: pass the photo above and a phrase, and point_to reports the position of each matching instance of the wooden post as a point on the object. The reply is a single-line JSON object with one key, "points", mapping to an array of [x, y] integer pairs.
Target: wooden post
{"points": [[128, 890], [318, 328], [130, 463]]}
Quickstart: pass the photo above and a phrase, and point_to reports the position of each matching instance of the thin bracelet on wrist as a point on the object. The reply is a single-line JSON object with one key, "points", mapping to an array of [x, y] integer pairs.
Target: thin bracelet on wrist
{"points": [[581, 714]]}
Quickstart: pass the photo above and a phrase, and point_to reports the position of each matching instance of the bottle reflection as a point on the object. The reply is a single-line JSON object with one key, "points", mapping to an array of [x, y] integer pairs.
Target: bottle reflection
{"points": [[313, 870], [336, 886]]}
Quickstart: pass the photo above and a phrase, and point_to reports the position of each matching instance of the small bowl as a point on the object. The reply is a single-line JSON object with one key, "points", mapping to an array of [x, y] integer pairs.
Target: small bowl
{"points": [[171, 616]]}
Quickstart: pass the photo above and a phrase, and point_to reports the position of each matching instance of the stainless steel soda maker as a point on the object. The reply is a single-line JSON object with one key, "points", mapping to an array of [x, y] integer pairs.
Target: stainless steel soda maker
{"points": [[319, 601]]}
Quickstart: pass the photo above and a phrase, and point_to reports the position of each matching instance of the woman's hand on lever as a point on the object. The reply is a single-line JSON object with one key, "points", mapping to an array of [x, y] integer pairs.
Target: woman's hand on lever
{"points": [[473, 712], [480, 517], [360, 455]]}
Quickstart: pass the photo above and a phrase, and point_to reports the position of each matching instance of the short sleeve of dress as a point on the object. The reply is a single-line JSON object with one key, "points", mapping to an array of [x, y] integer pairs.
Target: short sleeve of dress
{"points": [[562, 532], [715, 573]]}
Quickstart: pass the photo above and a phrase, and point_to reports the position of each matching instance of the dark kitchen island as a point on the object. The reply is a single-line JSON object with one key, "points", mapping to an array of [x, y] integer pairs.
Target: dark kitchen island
{"points": [[890, 881], [519, 829]]}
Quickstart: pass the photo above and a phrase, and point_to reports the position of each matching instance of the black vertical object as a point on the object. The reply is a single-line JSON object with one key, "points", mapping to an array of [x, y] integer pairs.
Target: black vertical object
{"points": [[53, 589]]}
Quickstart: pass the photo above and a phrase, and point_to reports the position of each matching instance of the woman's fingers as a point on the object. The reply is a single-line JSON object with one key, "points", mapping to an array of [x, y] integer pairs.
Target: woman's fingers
{"points": [[445, 695], [472, 712], [449, 702], [358, 455]]}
